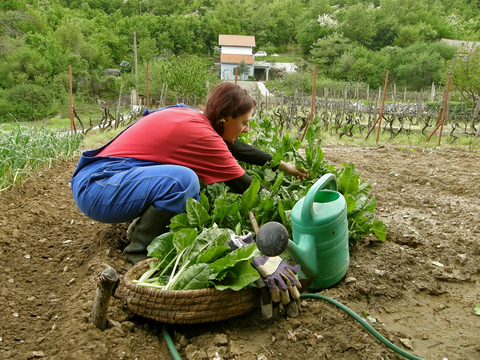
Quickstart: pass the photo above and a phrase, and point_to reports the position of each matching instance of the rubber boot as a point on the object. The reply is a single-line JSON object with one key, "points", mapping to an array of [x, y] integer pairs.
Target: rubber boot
{"points": [[143, 230]]}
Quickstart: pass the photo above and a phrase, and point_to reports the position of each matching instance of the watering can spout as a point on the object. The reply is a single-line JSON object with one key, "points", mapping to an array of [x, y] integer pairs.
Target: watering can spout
{"points": [[300, 253]]}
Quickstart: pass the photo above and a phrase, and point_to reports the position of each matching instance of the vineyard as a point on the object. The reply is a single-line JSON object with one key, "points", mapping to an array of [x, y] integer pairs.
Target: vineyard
{"points": [[345, 113], [341, 112]]}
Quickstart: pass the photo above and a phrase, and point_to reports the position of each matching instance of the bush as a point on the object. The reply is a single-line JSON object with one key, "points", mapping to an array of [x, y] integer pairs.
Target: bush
{"points": [[27, 102]]}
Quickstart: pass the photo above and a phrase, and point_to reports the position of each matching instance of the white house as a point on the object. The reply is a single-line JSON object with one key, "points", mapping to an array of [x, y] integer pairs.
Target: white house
{"points": [[234, 49]]}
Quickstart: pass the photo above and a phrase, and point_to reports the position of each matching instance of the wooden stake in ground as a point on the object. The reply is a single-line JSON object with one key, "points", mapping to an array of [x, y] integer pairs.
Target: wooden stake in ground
{"points": [[106, 284]]}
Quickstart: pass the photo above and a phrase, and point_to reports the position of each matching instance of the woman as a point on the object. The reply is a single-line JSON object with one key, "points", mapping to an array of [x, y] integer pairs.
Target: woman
{"points": [[149, 170]]}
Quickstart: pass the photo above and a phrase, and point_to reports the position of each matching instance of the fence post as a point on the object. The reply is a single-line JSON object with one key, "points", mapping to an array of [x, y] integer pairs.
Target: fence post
{"points": [[432, 99], [72, 122], [325, 91], [117, 113], [294, 108], [147, 86], [379, 119]]}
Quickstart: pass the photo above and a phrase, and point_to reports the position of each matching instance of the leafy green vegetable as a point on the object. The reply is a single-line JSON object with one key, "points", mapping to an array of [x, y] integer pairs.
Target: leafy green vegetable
{"points": [[202, 259], [285, 191], [196, 254]]}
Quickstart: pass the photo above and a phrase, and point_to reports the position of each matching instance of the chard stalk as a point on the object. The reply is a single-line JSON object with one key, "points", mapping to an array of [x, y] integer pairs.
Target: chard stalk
{"points": [[172, 278]]}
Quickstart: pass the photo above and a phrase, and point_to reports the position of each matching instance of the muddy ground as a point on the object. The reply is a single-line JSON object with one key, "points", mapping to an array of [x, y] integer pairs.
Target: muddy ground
{"points": [[51, 255]]}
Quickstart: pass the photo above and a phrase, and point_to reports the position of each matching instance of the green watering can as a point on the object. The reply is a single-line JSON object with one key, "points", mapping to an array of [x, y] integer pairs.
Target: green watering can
{"points": [[320, 234]]}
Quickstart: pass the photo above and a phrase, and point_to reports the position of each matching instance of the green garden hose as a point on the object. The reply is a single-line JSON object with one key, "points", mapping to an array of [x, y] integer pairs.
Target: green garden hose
{"points": [[176, 355], [363, 323], [170, 344]]}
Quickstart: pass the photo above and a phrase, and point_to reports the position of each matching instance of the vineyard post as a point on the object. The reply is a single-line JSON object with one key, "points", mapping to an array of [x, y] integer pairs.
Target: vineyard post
{"points": [[236, 74], [443, 96], [117, 113], [72, 122], [325, 91], [444, 111], [147, 84], [294, 108], [379, 119], [442, 115], [476, 136], [418, 100], [310, 118], [136, 61], [475, 114], [357, 96]]}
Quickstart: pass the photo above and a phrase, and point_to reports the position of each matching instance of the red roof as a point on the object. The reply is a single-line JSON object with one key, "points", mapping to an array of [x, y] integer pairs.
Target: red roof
{"points": [[236, 40], [235, 59]]}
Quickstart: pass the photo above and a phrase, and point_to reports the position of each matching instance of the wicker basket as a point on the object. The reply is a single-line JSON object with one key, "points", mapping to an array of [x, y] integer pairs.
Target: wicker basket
{"points": [[185, 306]]}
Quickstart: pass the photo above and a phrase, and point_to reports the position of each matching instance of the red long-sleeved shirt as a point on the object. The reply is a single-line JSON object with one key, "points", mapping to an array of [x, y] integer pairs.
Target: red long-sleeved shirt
{"points": [[178, 136]]}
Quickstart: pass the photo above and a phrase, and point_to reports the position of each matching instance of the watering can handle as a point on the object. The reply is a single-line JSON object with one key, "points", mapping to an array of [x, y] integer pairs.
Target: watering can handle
{"points": [[307, 208]]}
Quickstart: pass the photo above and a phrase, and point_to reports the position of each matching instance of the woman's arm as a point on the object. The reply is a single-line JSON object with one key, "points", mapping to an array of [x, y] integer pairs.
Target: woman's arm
{"points": [[249, 154], [240, 184], [290, 169]]}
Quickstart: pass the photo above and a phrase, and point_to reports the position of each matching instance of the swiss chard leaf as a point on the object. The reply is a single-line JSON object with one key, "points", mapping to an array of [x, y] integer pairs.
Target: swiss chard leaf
{"points": [[194, 277], [351, 203], [196, 214], [204, 201], [202, 242], [162, 246], [212, 254], [179, 222], [380, 229], [249, 197], [238, 276], [243, 253], [348, 180], [184, 238]]}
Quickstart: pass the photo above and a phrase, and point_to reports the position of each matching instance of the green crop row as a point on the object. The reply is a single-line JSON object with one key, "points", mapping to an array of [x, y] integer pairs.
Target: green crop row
{"points": [[24, 150]]}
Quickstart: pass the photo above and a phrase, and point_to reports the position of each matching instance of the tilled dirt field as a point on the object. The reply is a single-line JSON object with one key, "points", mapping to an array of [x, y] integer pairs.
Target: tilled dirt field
{"points": [[51, 255]]}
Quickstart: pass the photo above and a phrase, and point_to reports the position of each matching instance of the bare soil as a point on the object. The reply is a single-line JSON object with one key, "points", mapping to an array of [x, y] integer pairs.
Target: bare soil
{"points": [[51, 255]]}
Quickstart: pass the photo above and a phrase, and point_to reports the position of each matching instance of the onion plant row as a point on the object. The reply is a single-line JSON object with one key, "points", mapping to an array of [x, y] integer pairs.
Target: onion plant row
{"points": [[24, 150]]}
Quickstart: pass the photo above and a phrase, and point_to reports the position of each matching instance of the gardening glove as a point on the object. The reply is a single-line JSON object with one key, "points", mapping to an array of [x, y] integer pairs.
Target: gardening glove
{"points": [[279, 281], [268, 310], [282, 280]]}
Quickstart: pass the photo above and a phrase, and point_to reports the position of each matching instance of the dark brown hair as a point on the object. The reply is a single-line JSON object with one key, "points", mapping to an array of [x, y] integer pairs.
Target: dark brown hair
{"points": [[227, 99]]}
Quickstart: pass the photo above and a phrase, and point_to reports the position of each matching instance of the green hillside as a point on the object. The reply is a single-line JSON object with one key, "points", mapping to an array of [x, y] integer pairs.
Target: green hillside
{"points": [[351, 41]]}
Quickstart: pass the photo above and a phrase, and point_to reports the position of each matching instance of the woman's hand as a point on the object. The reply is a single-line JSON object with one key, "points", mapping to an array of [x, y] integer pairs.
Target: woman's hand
{"points": [[290, 169]]}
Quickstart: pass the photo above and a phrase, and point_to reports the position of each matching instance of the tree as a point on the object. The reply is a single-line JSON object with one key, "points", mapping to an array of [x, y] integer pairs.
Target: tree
{"points": [[465, 77], [407, 35], [358, 24], [243, 70], [70, 35], [184, 77], [417, 66], [326, 50]]}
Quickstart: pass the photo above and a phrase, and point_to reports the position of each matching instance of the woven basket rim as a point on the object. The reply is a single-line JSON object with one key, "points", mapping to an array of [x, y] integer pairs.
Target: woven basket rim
{"points": [[138, 269], [185, 306]]}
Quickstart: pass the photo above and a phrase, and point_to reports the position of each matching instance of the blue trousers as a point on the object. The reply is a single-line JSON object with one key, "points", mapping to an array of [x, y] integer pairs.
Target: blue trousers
{"points": [[115, 190]]}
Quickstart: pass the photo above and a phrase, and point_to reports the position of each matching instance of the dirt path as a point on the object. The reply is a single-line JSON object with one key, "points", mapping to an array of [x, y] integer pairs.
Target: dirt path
{"points": [[51, 255]]}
